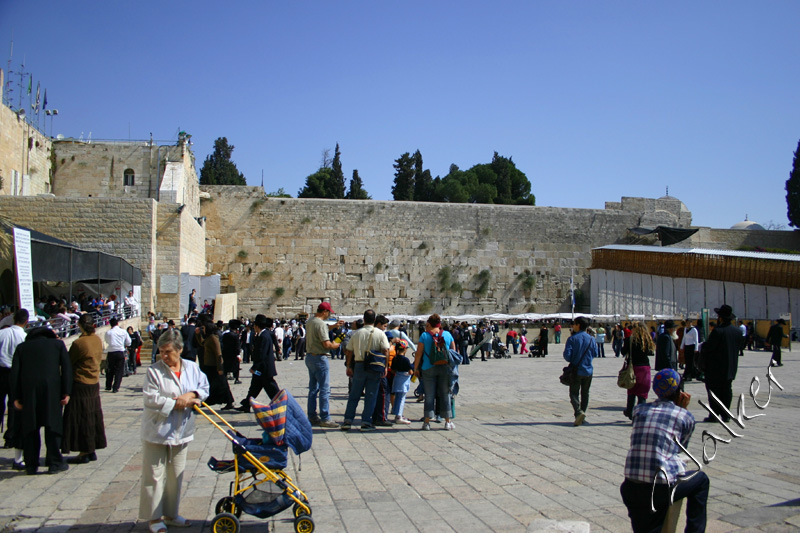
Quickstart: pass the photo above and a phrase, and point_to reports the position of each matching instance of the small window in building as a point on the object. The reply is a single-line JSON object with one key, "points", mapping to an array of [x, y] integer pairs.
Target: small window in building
{"points": [[129, 177]]}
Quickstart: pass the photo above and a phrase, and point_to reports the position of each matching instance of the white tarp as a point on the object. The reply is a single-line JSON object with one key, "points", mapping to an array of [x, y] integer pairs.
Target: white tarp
{"points": [[207, 289], [636, 296], [648, 306], [695, 294], [668, 295], [734, 296], [715, 295], [777, 302], [679, 292], [756, 301]]}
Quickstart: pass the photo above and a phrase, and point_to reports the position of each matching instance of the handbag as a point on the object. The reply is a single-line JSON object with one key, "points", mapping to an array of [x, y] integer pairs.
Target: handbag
{"points": [[626, 378], [374, 361], [568, 375]]}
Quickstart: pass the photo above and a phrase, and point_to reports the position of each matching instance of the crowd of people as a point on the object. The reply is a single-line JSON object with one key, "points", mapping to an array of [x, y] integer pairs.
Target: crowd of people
{"points": [[58, 390]]}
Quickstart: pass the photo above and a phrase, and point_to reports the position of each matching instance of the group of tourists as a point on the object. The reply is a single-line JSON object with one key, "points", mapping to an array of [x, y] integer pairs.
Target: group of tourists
{"points": [[52, 388]]}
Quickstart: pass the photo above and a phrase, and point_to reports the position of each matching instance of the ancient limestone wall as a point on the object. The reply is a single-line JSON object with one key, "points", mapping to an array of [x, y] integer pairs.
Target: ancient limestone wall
{"points": [[283, 256], [123, 227], [24, 156]]}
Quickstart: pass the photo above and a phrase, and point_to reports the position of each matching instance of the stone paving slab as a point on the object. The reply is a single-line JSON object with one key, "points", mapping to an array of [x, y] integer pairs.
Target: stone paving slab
{"points": [[514, 462]]}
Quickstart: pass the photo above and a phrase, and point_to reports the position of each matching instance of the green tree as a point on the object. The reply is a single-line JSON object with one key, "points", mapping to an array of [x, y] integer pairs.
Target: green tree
{"points": [[280, 193], [218, 169], [356, 191], [793, 191], [317, 184], [423, 183], [336, 186], [403, 188]]}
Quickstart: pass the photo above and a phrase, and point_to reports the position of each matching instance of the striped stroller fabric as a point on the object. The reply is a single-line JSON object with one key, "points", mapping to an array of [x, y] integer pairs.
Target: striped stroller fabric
{"points": [[272, 417]]}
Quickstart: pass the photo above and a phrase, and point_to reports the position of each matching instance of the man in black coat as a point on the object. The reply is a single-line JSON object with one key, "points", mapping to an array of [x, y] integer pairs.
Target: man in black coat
{"points": [[775, 339], [41, 382], [187, 332], [721, 357], [263, 357], [666, 351]]}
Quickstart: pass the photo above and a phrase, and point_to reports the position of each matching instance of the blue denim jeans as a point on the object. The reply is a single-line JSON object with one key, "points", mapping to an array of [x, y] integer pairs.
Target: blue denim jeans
{"points": [[366, 382], [318, 384], [437, 385]]}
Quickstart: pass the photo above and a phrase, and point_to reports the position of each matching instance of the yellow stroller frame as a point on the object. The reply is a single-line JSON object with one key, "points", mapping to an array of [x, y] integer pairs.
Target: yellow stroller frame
{"points": [[228, 512]]}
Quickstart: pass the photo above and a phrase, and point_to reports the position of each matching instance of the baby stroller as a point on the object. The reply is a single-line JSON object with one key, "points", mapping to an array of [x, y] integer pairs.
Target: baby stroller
{"points": [[535, 351], [260, 487], [500, 350]]}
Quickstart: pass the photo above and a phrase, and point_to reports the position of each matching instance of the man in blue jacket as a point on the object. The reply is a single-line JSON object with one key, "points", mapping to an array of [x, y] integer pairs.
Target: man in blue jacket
{"points": [[579, 352]]}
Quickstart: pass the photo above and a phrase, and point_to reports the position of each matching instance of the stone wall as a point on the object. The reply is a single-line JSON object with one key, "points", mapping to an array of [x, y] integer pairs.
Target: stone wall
{"points": [[283, 255], [24, 156], [122, 227]]}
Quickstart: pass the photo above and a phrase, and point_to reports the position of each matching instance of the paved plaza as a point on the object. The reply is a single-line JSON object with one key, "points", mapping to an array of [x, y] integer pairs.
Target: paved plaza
{"points": [[513, 463]]}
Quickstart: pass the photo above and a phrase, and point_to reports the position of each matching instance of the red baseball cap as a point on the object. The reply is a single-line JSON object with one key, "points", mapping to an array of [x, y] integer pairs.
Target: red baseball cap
{"points": [[324, 306]]}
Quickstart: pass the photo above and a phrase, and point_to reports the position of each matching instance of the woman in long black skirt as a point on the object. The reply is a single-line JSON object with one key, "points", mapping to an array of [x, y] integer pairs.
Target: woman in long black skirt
{"points": [[84, 430]]}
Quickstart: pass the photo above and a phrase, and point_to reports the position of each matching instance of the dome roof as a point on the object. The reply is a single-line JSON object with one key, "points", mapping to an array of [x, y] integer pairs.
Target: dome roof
{"points": [[748, 225], [672, 198]]}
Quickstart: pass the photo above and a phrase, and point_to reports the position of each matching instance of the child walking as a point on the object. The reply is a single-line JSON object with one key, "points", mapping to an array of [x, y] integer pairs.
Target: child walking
{"points": [[403, 370]]}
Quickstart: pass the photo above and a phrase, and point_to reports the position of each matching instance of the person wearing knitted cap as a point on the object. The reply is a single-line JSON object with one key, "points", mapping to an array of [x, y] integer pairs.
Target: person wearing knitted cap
{"points": [[721, 355], [653, 467]]}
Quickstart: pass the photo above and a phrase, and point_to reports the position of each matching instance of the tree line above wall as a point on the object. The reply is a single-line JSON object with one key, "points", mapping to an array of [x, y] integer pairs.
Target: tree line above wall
{"points": [[497, 182]]}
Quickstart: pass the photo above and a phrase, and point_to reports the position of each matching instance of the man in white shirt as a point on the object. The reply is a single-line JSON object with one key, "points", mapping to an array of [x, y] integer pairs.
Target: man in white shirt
{"points": [[743, 329], [10, 338], [689, 344], [279, 341], [118, 341]]}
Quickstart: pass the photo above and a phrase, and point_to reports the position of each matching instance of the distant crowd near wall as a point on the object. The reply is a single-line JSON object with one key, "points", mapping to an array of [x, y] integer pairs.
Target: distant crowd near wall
{"points": [[284, 255]]}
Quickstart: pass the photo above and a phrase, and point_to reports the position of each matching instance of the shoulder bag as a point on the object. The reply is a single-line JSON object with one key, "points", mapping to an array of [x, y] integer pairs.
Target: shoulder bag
{"points": [[626, 378], [374, 361]]}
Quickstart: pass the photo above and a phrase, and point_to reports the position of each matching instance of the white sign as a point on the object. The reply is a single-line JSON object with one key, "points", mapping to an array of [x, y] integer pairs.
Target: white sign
{"points": [[22, 254], [169, 285]]}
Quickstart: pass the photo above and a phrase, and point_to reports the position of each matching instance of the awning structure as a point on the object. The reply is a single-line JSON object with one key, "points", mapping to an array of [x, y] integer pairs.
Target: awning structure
{"points": [[665, 234], [55, 260]]}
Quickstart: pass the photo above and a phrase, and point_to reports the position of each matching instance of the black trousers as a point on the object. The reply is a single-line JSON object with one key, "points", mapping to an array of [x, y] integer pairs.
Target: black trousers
{"points": [[33, 445], [5, 376], [636, 497], [259, 383], [688, 357], [116, 367], [723, 389], [776, 354]]}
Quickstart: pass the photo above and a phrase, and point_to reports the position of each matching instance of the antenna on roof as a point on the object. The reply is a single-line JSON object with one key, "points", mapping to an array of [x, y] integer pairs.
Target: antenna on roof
{"points": [[262, 178], [667, 190]]}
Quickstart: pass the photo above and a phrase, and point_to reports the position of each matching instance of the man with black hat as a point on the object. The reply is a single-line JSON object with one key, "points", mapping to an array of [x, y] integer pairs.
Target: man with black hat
{"points": [[263, 369], [666, 352], [721, 356], [775, 338]]}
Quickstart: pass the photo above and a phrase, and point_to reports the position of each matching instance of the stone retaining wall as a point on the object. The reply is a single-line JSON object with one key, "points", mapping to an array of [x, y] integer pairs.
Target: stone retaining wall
{"points": [[284, 255]]}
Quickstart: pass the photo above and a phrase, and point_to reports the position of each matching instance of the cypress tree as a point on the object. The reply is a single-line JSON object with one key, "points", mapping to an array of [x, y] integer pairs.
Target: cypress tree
{"points": [[793, 191]]}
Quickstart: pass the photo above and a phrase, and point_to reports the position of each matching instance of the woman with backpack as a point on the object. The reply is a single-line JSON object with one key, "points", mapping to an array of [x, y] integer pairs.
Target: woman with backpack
{"points": [[431, 363]]}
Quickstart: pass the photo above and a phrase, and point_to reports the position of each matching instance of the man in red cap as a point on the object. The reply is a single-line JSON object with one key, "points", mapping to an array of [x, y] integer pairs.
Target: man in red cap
{"points": [[318, 345]]}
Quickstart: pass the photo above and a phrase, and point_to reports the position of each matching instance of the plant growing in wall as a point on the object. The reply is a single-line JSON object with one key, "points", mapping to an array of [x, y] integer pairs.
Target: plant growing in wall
{"points": [[456, 288], [242, 254], [279, 292], [483, 278], [306, 220], [266, 273], [527, 281], [424, 307], [422, 245], [378, 267], [256, 204], [444, 276]]}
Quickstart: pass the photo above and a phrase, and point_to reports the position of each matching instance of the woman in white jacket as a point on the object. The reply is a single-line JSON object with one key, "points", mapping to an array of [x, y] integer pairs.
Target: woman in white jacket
{"points": [[172, 387]]}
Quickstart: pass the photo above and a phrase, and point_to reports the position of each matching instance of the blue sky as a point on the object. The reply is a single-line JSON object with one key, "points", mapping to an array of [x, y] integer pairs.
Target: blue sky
{"points": [[593, 100]]}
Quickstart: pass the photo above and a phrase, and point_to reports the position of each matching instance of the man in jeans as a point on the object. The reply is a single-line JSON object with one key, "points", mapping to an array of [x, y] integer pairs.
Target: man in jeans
{"points": [[579, 352], [317, 345], [368, 338]]}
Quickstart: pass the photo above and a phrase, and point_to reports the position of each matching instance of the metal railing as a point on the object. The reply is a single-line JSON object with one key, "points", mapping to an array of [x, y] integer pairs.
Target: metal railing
{"points": [[67, 327]]}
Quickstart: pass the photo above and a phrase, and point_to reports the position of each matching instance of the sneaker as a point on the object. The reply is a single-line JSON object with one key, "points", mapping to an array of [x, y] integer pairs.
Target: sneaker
{"points": [[367, 427], [383, 423], [316, 421], [401, 420], [438, 419], [579, 419], [426, 426], [328, 424], [449, 426], [345, 426]]}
